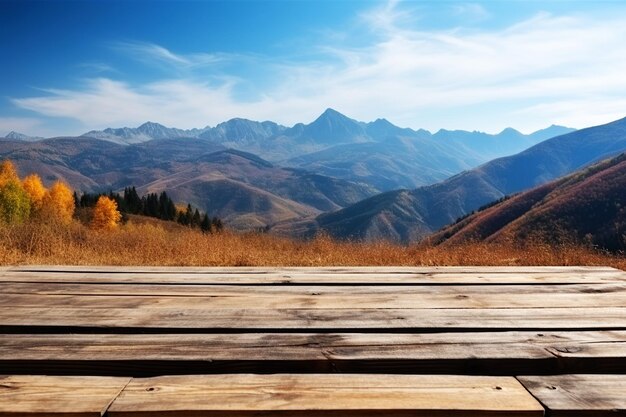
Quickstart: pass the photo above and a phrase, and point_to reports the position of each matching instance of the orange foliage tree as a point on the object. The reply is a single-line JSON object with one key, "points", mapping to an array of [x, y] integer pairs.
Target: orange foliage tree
{"points": [[7, 172], [106, 216], [58, 203], [35, 190]]}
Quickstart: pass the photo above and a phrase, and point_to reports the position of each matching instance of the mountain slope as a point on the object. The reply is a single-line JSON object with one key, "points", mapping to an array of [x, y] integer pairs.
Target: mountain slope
{"points": [[317, 193], [398, 162], [403, 158], [410, 215], [588, 206], [228, 183]]}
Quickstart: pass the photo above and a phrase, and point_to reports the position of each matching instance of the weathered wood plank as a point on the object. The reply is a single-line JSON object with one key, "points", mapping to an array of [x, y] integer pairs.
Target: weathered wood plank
{"points": [[579, 395], [315, 298], [328, 270], [307, 319], [186, 290], [302, 278], [328, 395], [487, 353], [27, 395]]}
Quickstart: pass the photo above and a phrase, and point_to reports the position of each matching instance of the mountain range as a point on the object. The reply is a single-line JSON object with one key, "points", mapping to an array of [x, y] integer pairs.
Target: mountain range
{"points": [[261, 175], [377, 154], [20, 136], [410, 215]]}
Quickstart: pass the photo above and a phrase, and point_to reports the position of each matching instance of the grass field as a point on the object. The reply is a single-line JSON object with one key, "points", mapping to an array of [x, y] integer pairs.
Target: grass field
{"points": [[150, 243]]}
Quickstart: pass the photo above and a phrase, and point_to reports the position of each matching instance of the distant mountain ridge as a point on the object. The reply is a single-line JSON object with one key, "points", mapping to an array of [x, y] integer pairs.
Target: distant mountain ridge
{"points": [[329, 129], [410, 215], [20, 136], [144, 133], [377, 153]]}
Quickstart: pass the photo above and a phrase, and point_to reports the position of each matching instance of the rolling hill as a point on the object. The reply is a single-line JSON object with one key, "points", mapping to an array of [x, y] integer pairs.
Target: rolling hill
{"points": [[409, 215], [588, 206], [245, 190]]}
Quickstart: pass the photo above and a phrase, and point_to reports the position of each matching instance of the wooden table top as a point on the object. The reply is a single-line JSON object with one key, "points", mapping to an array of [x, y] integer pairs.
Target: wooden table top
{"points": [[184, 331]]}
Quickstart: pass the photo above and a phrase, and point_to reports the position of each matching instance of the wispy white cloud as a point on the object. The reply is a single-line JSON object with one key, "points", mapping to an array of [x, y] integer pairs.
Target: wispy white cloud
{"points": [[542, 70], [152, 53], [386, 17]]}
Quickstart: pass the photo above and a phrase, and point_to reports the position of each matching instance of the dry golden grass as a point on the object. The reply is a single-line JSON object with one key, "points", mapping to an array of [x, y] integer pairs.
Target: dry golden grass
{"points": [[149, 243]]}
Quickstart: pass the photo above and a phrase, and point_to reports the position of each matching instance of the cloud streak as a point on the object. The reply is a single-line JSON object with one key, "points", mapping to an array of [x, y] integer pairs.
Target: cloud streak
{"points": [[152, 53], [547, 69]]}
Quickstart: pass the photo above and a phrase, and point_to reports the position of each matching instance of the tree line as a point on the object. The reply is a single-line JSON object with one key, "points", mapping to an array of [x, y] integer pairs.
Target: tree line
{"points": [[159, 206]]}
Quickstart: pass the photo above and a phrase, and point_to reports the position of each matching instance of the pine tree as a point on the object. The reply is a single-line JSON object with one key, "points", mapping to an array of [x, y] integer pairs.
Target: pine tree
{"points": [[205, 224], [196, 219], [151, 205], [167, 211], [132, 202]]}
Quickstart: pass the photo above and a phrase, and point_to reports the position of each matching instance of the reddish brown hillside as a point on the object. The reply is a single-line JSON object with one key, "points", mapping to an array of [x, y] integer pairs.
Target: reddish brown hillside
{"points": [[588, 206]]}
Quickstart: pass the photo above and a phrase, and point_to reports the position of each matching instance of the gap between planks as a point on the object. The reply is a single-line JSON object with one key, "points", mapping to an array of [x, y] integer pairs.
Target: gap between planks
{"points": [[508, 353]]}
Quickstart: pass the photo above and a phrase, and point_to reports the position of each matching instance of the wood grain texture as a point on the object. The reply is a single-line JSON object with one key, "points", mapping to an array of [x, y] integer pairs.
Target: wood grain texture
{"points": [[27, 395], [319, 298], [579, 395], [487, 353], [203, 290], [317, 395], [307, 319], [321, 278]]}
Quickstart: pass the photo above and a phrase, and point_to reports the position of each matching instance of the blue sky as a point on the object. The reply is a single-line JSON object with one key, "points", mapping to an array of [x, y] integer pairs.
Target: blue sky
{"points": [[69, 67]]}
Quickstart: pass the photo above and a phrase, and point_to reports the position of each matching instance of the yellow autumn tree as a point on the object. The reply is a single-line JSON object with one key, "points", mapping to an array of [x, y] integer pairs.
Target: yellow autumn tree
{"points": [[106, 216], [14, 202], [58, 203], [8, 172], [35, 190]]}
